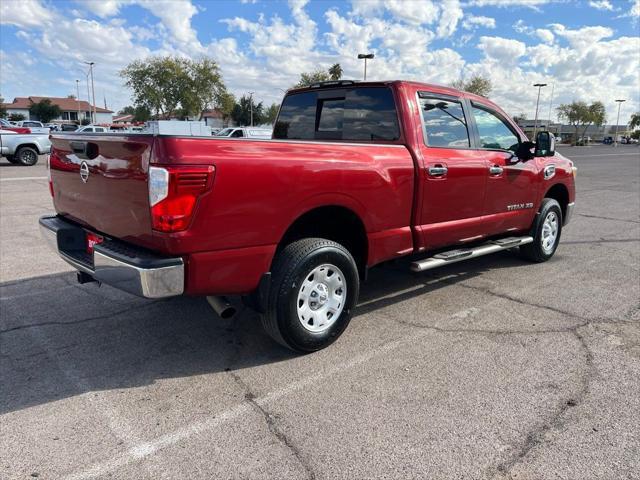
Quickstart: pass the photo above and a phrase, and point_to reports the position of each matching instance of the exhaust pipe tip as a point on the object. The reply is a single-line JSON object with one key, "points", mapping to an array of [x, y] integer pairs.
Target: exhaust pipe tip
{"points": [[222, 307]]}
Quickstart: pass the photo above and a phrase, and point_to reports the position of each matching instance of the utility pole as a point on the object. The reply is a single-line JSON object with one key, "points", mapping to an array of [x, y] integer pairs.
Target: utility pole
{"points": [[365, 56], [615, 142], [93, 90], [535, 124], [553, 85], [78, 98], [88, 94], [251, 105]]}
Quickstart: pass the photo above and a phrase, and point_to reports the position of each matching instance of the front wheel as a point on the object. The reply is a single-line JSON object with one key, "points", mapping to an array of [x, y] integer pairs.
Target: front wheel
{"points": [[314, 290], [546, 235]]}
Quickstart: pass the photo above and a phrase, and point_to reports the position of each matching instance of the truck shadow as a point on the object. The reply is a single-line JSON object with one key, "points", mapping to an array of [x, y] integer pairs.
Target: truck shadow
{"points": [[59, 339]]}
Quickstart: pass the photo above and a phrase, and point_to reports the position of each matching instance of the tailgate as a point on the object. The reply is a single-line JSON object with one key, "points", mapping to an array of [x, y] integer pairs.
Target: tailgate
{"points": [[100, 181]]}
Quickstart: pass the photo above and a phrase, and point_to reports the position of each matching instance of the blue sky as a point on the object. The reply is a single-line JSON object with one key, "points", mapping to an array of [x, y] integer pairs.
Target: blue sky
{"points": [[588, 49]]}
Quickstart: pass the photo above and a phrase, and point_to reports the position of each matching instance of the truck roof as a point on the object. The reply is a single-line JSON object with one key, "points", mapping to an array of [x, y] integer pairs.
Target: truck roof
{"points": [[431, 87]]}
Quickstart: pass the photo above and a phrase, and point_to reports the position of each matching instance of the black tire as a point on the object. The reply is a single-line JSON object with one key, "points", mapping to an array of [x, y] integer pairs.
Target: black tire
{"points": [[11, 159], [292, 268], [538, 251], [27, 156]]}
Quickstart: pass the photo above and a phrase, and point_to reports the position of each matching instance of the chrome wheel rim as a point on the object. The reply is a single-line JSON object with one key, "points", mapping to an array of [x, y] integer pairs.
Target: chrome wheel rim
{"points": [[321, 298], [28, 157], [549, 232]]}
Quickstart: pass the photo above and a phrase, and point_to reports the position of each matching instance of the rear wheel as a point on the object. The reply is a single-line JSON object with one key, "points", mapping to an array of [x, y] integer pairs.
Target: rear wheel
{"points": [[27, 156], [314, 290], [546, 236]]}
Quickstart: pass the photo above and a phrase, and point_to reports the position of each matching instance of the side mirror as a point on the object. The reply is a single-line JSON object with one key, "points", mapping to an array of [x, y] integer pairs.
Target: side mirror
{"points": [[545, 144]]}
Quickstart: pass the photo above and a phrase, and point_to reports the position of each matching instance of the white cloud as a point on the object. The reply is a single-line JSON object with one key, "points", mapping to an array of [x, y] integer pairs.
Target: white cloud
{"points": [[504, 50], [545, 35], [24, 13], [508, 3], [472, 21], [415, 12], [582, 37], [634, 11], [451, 14], [601, 5]]}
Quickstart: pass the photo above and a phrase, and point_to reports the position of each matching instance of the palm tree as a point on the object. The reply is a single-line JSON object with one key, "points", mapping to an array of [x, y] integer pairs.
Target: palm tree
{"points": [[635, 121], [335, 72]]}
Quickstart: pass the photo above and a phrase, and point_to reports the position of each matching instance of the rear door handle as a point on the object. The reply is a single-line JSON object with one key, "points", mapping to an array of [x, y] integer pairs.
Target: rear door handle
{"points": [[437, 171], [495, 170]]}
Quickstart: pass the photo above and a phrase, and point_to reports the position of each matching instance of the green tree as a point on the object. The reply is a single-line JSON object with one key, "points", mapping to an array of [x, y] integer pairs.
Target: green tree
{"points": [[271, 113], [140, 114], [241, 113], [634, 122], [580, 114], [16, 117], [320, 75], [226, 104], [44, 110], [170, 86], [335, 71], [476, 84], [3, 109]]}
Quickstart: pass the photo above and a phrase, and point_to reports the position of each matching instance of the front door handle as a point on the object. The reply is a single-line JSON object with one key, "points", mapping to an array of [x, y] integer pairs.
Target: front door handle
{"points": [[495, 170], [437, 171]]}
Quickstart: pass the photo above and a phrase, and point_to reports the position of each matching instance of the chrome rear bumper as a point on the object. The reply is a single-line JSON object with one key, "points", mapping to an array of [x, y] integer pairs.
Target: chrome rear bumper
{"points": [[115, 263]]}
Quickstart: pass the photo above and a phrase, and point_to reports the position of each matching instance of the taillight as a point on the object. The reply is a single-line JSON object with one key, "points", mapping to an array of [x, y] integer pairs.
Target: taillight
{"points": [[173, 194]]}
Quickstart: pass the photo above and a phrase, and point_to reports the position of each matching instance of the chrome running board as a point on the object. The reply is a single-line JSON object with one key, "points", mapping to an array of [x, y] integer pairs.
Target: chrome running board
{"points": [[460, 254]]}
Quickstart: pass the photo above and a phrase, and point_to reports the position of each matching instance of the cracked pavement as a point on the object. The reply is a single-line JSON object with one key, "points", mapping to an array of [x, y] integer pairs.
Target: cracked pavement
{"points": [[489, 369]]}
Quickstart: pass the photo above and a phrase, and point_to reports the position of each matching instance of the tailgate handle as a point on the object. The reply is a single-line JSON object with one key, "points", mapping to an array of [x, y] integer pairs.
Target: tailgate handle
{"points": [[84, 149]]}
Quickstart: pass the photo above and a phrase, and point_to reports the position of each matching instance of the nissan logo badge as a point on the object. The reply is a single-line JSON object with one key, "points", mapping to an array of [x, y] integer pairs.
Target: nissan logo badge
{"points": [[84, 171]]}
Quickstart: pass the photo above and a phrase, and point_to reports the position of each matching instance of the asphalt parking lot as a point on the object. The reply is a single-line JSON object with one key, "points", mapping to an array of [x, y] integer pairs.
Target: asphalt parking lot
{"points": [[493, 368]]}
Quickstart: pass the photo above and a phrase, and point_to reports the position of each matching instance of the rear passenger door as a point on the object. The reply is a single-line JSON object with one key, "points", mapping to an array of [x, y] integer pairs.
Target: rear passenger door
{"points": [[453, 174], [511, 184]]}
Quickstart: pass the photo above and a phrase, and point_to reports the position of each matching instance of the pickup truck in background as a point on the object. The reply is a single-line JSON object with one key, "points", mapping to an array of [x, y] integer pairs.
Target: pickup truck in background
{"points": [[356, 174], [23, 149], [34, 126]]}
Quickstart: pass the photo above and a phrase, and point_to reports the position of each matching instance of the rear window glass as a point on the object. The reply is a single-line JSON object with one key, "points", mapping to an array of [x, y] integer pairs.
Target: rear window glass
{"points": [[365, 114], [444, 123]]}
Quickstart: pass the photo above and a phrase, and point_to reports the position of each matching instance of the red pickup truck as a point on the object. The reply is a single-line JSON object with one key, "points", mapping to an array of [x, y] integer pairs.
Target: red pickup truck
{"points": [[356, 174]]}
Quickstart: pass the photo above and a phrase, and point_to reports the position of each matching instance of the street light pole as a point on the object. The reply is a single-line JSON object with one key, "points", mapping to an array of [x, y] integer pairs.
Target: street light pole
{"points": [[615, 142], [251, 105], [93, 90], [88, 95], [535, 123], [365, 56], [77, 98], [553, 86]]}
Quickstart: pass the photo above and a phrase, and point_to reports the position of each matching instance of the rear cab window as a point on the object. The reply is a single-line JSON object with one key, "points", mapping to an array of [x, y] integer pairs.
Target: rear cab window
{"points": [[365, 114]]}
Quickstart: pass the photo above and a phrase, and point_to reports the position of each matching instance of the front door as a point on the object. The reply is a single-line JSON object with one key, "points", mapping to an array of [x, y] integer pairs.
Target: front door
{"points": [[511, 187], [453, 174]]}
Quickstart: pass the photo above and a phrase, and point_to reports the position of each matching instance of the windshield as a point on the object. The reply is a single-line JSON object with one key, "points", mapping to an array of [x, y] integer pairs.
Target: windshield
{"points": [[224, 133]]}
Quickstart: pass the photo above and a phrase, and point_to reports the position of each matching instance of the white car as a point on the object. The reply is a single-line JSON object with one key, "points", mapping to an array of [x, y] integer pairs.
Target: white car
{"points": [[245, 132], [92, 129]]}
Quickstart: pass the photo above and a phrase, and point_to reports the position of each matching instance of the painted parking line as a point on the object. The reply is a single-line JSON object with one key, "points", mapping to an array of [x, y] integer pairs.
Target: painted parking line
{"points": [[637, 154], [145, 449], [18, 179]]}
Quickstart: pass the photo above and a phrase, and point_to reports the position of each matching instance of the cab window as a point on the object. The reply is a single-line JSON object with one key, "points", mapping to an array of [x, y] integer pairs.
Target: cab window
{"points": [[444, 123], [351, 114], [237, 133], [494, 132]]}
